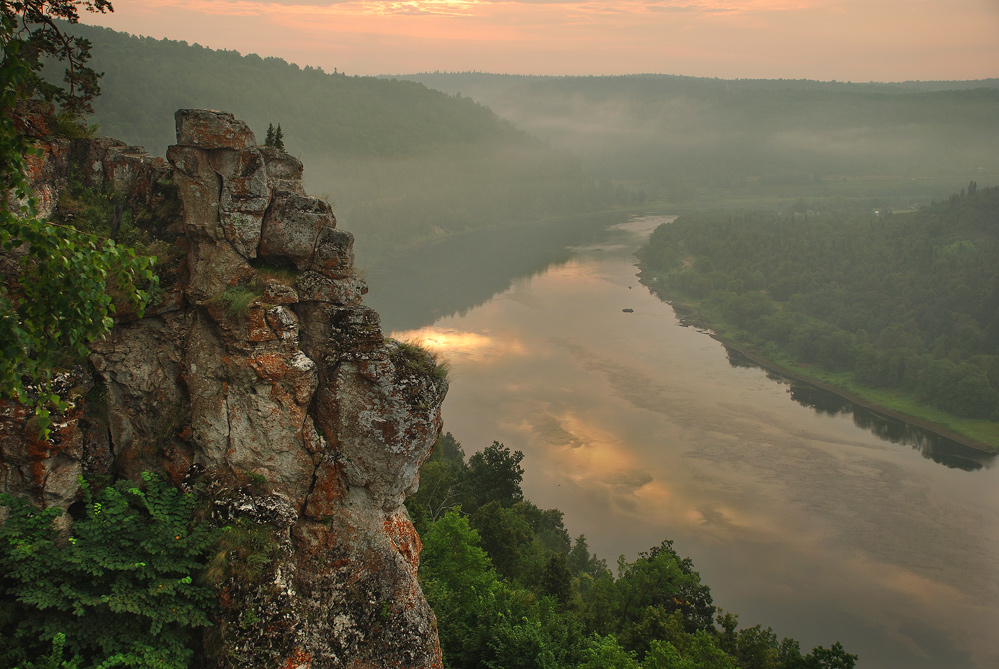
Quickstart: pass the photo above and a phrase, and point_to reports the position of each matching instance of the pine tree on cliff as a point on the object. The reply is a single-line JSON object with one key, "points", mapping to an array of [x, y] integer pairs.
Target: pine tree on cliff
{"points": [[279, 138], [269, 141]]}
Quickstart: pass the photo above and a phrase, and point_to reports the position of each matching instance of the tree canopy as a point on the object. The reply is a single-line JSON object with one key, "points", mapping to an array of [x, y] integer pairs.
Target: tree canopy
{"points": [[510, 589], [908, 302], [31, 35]]}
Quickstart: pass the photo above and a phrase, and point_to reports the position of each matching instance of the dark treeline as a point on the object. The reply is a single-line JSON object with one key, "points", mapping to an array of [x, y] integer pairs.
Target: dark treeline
{"points": [[906, 301], [687, 139], [511, 589], [403, 163]]}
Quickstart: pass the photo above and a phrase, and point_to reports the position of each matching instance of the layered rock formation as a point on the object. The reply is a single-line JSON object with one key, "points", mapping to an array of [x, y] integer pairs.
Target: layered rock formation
{"points": [[260, 373]]}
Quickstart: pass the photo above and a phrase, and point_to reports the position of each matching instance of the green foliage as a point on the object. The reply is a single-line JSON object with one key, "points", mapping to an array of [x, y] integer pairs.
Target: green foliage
{"points": [[606, 653], [240, 552], [556, 580], [452, 555], [504, 535], [662, 580], [237, 300], [422, 361], [63, 297], [581, 561], [699, 651], [508, 595], [146, 80], [71, 127], [279, 274], [103, 212], [494, 474], [834, 657], [461, 587], [441, 487], [447, 449], [906, 302], [120, 587], [482, 621], [31, 36], [62, 302], [274, 138]]}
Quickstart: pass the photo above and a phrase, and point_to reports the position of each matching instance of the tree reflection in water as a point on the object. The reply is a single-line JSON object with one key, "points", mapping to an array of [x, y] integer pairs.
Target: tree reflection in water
{"points": [[932, 446]]}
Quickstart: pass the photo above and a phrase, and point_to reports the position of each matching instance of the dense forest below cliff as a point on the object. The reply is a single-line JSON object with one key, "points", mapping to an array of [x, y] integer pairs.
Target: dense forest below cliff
{"points": [[401, 163], [508, 585], [690, 140], [510, 588], [904, 302]]}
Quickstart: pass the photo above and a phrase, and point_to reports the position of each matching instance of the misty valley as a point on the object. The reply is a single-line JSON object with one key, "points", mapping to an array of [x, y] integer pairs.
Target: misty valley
{"points": [[743, 334]]}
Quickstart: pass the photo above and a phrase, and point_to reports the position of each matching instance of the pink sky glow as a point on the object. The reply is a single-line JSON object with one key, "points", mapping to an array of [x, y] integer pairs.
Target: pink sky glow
{"points": [[846, 40]]}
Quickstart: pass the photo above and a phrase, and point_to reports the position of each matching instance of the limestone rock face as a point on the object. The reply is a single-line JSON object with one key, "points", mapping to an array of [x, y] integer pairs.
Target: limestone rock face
{"points": [[263, 377], [292, 228], [212, 129], [283, 170]]}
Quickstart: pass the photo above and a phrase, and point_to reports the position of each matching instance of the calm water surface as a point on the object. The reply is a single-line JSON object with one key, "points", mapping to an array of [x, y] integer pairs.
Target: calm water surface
{"points": [[798, 516]]}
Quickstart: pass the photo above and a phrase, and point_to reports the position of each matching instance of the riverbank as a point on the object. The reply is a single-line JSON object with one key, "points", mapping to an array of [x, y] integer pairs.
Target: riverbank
{"points": [[688, 315]]}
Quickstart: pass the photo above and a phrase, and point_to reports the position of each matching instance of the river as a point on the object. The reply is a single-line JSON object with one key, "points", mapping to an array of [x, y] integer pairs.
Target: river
{"points": [[802, 514]]}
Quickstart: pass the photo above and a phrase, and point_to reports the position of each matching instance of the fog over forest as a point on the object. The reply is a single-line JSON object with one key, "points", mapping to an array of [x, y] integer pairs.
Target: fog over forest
{"points": [[552, 240], [680, 134], [405, 164]]}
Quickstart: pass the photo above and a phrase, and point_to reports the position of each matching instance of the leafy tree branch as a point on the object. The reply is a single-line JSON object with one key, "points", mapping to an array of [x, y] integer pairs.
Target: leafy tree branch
{"points": [[63, 296]]}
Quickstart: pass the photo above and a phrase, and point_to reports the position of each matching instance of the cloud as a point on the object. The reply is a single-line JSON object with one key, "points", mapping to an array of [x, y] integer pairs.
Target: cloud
{"points": [[438, 6], [325, 7], [281, 3], [818, 39], [418, 7], [675, 8]]}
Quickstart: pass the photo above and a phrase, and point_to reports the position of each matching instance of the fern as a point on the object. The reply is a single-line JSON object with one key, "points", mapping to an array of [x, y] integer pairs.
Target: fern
{"points": [[119, 591]]}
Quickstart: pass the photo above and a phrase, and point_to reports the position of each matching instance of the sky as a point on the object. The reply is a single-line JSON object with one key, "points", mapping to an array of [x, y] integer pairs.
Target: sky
{"points": [[843, 40]]}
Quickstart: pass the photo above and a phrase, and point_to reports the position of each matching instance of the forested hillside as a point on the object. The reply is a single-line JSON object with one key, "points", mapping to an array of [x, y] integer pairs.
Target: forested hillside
{"points": [[511, 589], [401, 162], [687, 139], [906, 302]]}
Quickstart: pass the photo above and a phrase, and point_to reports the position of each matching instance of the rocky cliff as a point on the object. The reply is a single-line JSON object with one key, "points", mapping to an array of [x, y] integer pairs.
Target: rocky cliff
{"points": [[260, 376]]}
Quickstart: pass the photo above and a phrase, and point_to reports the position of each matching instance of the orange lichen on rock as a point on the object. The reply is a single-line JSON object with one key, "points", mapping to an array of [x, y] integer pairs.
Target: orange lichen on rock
{"points": [[327, 493], [299, 660], [405, 539], [269, 366], [44, 470]]}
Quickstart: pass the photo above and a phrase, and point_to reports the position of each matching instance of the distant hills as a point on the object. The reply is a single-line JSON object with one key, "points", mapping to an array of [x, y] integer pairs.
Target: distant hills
{"points": [[420, 157], [677, 132], [401, 162]]}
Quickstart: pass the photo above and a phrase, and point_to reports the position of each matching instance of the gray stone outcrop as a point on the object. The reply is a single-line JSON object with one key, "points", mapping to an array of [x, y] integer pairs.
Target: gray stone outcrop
{"points": [[261, 374]]}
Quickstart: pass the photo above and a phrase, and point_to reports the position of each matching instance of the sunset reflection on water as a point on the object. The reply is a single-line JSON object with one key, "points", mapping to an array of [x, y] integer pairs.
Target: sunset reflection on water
{"points": [[477, 346], [640, 430]]}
